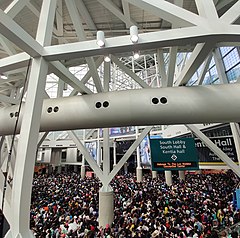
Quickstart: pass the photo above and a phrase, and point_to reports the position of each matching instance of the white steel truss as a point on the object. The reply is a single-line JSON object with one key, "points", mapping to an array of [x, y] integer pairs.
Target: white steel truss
{"points": [[62, 34]]}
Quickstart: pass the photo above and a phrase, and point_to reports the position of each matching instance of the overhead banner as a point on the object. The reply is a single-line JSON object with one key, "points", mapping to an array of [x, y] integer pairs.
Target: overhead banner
{"points": [[206, 156], [174, 154], [123, 146], [119, 131], [145, 153], [92, 148]]}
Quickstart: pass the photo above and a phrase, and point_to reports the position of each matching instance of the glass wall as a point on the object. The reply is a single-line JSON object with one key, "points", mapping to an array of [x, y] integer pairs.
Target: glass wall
{"points": [[231, 60]]}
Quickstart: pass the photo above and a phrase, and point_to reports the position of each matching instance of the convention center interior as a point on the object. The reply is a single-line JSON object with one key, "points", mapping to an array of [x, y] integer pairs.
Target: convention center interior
{"points": [[119, 118]]}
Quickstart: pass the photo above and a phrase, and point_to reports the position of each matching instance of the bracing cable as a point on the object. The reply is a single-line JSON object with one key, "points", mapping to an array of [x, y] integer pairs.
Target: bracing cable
{"points": [[14, 135]]}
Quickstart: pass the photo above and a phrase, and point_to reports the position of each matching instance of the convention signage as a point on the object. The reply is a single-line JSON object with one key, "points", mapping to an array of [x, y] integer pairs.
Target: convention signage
{"points": [[206, 156], [174, 154]]}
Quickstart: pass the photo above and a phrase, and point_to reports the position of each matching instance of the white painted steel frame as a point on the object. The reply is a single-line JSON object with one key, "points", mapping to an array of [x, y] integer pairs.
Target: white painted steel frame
{"points": [[215, 149], [199, 104], [205, 30], [27, 144]]}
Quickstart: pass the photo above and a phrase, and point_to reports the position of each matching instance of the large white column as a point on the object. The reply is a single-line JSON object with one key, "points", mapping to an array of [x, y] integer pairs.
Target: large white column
{"points": [[99, 154], [154, 174], [2, 150], [29, 132], [114, 153], [168, 177], [106, 152], [26, 153], [139, 168], [125, 167], [56, 159], [83, 170], [83, 167], [181, 174], [106, 206]]}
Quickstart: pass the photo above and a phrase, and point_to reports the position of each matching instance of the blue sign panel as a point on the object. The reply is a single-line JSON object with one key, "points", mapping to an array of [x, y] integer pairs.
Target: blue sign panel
{"points": [[238, 198]]}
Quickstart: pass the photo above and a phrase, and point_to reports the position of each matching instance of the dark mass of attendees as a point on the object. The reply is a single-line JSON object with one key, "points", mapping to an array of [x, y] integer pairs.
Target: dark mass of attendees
{"points": [[64, 205]]}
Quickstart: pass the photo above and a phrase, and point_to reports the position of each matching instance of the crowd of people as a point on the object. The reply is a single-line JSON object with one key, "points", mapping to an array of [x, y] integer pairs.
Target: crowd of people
{"points": [[64, 205]]}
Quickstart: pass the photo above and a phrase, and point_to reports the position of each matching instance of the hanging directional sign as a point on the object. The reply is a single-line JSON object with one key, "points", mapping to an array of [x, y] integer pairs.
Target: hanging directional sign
{"points": [[174, 154]]}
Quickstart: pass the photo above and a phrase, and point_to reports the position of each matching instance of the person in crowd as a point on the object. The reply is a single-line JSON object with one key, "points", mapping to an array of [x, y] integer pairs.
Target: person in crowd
{"points": [[64, 205]]}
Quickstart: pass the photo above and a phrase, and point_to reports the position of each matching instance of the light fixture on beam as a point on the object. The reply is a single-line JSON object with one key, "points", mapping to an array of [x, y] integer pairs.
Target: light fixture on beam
{"points": [[100, 38], [107, 58], [136, 55], [134, 34], [3, 76]]}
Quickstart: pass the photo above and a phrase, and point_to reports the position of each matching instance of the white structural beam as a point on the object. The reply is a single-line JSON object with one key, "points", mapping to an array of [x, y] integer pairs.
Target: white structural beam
{"points": [[128, 154], [200, 104], [232, 14], [86, 155], [85, 14], [12, 31], [152, 40], [171, 65], [6, 209], [198, 55], [116, 11], [7, 99], [26, 152], [129, 72], [15, 7], [11, 158], [215, 149], [161, 67], [64, 74], [1, 142], [88, 75], [223, 3], [59, 18], [33, 9], [126, 11], [107, 76], [172, 55], [204, 69], [89, 133], [14, 62], [2, 156], [207, 9], [7, 45], [76, 20], [94, 73], [60, 88], [11, 79], [106, 152], [27, 144], [219, 65], [45, 25], [170, 12], [41, 138], [72, 8]]}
